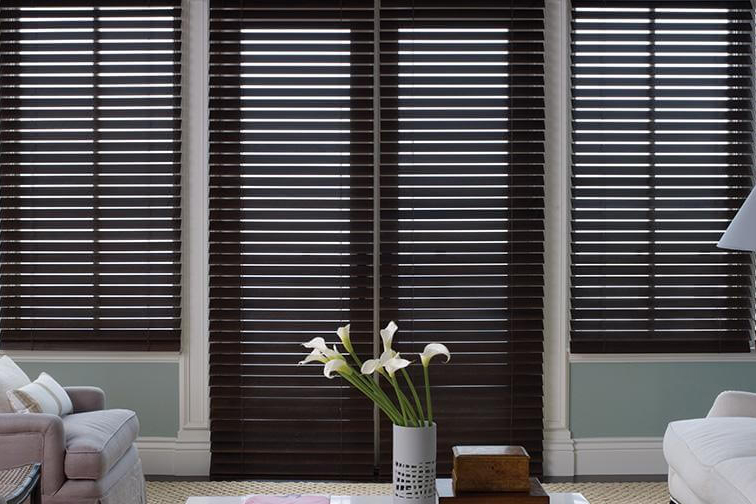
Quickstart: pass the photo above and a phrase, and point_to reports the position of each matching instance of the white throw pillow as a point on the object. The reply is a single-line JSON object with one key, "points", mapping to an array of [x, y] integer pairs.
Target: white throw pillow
{"points": [[43, 395], [11, 377]]}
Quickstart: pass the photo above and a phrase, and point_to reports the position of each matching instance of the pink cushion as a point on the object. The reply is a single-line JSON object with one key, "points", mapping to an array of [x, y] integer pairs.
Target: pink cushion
{"points": [[287, 499]]}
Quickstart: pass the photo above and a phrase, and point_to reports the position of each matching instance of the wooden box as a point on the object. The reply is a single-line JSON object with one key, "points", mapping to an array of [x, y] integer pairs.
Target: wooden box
{"points": [[534, 495], [490, 469]]}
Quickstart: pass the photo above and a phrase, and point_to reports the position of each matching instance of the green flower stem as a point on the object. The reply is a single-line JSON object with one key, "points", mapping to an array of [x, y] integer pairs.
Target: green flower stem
{"points": [[388, 411], [351, 377], [428, 404], [382, 400], [403, 401], [368, 382], [386, 407], [411, 412], [372, 384], [414, 395], [410, 409], [412, 416], [380, 393], [399, 396], [355, 358]]}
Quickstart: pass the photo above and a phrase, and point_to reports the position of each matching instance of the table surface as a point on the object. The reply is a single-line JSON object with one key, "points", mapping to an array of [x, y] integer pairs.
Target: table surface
{"points": [[555, 498]]}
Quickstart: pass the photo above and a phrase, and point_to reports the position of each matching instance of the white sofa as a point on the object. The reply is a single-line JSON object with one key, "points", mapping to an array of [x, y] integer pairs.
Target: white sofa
{"points": [[712, 460]]}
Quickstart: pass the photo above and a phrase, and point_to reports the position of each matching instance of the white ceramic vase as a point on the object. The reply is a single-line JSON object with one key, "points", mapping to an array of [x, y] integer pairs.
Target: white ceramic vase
{"points": [[415, 465]]}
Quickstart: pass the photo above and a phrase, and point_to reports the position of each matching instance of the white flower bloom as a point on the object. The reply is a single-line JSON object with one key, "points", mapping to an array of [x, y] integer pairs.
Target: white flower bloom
{"points": [[334, 354], [319, 344], [372, 365], [314, 356], [433, 349], [335, 366], [395, 363], [343, 333], [387, 335]]}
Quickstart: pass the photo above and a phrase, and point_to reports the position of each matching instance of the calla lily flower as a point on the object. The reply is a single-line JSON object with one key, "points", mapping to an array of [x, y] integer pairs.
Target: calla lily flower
{"points": [[314, 356], [370, 366], [335, 366], [394, 364], [319, 344], [343, 333], [387, 335], [335, 354], [433, 349]]}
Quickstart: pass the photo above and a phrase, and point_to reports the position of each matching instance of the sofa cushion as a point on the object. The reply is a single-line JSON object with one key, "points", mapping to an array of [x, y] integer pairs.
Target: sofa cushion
{"points": [[738, 473], [43, 395], [11, 377], [96, 441], [703, 453]]}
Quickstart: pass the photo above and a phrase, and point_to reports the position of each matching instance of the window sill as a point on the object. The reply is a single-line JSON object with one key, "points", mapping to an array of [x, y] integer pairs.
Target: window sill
{"points": [[662, 357], [80, 356]]}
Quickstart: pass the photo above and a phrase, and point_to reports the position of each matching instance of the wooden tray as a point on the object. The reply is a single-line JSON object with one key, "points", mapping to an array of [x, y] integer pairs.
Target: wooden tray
{"points": [[536, 495]]}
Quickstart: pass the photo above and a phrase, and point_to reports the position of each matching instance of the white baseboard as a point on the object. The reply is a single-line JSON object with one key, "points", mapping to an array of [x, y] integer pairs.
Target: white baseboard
{"points": [[621, 456], [558, 453], [165, 456], [562, 455]]}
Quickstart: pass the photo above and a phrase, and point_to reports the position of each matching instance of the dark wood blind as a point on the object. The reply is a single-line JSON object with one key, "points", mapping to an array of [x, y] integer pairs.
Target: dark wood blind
{"points": [[290, 233], [662, 159], [291, 220], [90, 150], [462, 130]]}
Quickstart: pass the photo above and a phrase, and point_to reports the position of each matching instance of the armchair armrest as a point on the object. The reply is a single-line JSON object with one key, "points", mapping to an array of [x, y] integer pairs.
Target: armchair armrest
{"points": [[734, 404], [86, 398], [34, 437]]}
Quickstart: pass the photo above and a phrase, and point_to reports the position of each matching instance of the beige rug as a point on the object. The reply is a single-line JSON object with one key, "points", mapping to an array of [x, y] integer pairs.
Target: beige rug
{"points": [[176, 492]]}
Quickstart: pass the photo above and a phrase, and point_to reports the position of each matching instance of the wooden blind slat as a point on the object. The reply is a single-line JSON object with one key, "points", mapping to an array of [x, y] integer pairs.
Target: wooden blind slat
{"points": [[662, 100], [291, 222], [90, 184], [290, 235]]}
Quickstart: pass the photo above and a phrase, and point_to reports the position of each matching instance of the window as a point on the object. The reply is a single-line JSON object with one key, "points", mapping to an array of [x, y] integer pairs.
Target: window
{"points": [[462, 131], [291, 241], [90, 126], [293, 253], [662, 159]]}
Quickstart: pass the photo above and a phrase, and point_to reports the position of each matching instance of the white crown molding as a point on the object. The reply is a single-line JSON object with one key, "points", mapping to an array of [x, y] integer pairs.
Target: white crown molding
{"points": [[164, 456], [105, 357]]}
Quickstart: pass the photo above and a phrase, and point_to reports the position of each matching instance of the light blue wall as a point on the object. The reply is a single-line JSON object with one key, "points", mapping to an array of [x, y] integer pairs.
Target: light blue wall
{"points": [[639, 399], [606, 399], [149, 388]]}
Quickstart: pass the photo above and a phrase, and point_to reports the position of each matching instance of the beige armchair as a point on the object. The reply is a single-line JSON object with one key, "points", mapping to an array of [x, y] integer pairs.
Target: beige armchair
{"points": [[87, 457]]}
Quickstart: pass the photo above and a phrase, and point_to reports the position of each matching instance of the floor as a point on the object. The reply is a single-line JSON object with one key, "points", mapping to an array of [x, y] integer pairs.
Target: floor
{"points": [[176, 492]]}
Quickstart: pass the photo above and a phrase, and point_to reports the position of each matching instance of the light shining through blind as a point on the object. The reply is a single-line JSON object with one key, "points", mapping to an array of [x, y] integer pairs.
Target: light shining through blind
{"points": [[462, 212], [662, 159], [291, 221], [90, 129], [290, 235]]}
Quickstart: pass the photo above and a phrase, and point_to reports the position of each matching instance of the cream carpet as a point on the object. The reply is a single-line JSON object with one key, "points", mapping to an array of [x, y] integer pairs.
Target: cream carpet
{"points": [[176, 492]]}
